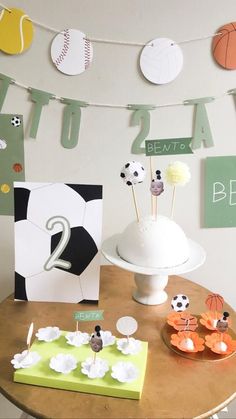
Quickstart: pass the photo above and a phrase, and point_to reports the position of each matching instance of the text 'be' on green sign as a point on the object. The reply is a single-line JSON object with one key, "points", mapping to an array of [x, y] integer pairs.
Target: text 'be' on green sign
{"points": [[88, 316], [168, 146]]}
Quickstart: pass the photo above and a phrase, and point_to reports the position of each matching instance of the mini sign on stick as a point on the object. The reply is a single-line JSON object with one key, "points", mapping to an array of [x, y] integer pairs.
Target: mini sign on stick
{"points": [[168, 146]]}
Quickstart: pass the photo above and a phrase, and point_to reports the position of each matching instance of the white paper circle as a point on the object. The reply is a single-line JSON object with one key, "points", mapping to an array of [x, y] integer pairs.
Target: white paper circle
{"points": [[71, 52], [161, 61], [127, 325]]}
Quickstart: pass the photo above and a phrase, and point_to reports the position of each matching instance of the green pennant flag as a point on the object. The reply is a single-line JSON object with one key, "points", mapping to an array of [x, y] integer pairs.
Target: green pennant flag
{"points": [[202, 130], [141, 116], [71, 122], [168, 146], [40, 98], [88, 316]]}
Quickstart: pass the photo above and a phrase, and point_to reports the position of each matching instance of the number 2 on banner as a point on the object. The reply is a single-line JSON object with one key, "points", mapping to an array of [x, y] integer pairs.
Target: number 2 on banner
{"points": [[140, 116], [54, 261]]}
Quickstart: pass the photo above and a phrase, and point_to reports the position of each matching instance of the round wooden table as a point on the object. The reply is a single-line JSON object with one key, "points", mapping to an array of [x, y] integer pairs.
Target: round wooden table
{"points": [[174, 387]]}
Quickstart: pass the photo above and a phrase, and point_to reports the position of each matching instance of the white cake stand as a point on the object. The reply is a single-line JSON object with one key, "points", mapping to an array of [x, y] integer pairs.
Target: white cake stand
{"points": [[151, 282]]}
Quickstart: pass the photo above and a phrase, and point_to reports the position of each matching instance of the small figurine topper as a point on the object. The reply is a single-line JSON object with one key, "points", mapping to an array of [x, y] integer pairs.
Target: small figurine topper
{"points": [[222, 324], [96, 340], [157, 186]]}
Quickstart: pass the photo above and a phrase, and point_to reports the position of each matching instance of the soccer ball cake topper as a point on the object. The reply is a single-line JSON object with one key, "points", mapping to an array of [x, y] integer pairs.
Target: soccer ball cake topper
{"points": [[133, 172], [180, 302]]}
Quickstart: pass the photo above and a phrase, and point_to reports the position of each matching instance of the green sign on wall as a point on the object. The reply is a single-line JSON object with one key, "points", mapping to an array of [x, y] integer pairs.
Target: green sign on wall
{"points": [[220, 191], [168, 146]]}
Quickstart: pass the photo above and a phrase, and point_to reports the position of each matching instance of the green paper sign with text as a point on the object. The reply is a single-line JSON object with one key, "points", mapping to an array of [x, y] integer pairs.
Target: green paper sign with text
{"points": [[220, 191], [88, 315], [168, 146]]}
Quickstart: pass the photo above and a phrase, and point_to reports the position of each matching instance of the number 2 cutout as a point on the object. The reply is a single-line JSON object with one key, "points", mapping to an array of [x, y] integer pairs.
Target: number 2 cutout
{"points": [[54, 261], [140, 116]]}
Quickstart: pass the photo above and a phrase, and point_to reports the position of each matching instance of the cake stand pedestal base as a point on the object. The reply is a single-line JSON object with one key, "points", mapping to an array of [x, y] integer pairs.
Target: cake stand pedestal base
{"points": [[151, 282], [150, 289]]}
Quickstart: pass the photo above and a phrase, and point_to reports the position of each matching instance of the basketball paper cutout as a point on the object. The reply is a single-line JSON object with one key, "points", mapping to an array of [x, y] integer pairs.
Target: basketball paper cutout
{"points": [[224, 46], [16, 31], [161, 61], [214, 302], [71, 52]]}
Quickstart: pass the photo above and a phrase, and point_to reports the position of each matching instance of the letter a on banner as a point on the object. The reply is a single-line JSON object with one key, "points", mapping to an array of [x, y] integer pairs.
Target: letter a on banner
{"points": [[71, 122], [202, 130]]}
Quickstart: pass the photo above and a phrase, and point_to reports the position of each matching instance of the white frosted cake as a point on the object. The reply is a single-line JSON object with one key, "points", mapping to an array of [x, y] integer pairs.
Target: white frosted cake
{"points": [[159, 243]]}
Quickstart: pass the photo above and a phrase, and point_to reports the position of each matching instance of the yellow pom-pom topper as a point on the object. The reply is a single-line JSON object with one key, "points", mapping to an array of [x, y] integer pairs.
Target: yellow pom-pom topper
{"points": [[16, 31], [177, 174]]}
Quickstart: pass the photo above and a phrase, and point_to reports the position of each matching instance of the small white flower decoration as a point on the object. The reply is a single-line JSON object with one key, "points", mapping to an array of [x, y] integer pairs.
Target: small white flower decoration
{"points": [[77, 338], [94, 369], [129, 346], [107, 338], [64, 363], [25, 360], [48, 334], [125, 372]]}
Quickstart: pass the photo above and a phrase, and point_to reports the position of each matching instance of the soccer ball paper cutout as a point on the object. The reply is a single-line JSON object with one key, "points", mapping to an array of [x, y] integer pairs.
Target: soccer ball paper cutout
{"points": [[57, 238], [180, 302]]}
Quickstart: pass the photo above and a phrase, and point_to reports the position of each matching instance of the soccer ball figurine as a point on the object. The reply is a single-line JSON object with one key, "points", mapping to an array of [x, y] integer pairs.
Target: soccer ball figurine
{"points": [[180, 302], [16, 121], [133, 172]]}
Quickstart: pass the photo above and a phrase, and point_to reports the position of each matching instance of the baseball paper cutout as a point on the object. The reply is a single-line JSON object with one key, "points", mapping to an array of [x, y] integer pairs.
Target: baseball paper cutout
{"points": [[71, 52], [224, 46], [161, 61], [16, 31]]}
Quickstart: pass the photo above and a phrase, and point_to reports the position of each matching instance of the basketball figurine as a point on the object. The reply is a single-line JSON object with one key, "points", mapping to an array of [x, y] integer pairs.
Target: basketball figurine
{"points": [[96, 340]]}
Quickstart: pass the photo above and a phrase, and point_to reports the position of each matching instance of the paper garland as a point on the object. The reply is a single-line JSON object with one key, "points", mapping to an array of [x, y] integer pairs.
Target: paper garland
{"points": [[16, 31], [71, 52], [161, 61]]}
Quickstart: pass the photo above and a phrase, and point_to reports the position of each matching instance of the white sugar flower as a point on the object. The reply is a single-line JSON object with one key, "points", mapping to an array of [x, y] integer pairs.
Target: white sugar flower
{"points": [[25, 359], [64, 363], [125, 372], [48, 334]]}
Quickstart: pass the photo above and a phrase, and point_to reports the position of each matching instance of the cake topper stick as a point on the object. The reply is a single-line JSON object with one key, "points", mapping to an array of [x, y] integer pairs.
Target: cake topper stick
{"points": [[135, 204], [156, 190], [29, 336], [132, 173], [152, 197], [95, 342], [177, 173], [77, 326]]}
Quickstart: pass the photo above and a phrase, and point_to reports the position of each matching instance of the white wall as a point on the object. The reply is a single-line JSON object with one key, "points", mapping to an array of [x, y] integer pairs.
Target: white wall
{"points": [[106, 135]]}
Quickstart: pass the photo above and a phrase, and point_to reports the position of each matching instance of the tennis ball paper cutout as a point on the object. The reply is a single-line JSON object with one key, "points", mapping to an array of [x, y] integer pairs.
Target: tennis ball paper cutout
{"points": [[224, 46], [161, 60], [71, 52], [16, 31]]}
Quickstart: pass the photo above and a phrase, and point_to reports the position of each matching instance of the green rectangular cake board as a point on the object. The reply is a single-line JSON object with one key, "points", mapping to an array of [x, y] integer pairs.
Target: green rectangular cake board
{"points": [[42, 375]]}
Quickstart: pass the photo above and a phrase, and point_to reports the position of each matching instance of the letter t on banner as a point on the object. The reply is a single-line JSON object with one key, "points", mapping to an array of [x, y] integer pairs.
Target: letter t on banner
{"points": [[40, 98], [202, 130], [71, 122], [6, 81]]}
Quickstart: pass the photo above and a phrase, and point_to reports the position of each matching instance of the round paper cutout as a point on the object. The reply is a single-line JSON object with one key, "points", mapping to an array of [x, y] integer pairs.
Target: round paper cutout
{"points": [[161, 61], [16, 31], [127, 325], [71, 52], [224, 46]]}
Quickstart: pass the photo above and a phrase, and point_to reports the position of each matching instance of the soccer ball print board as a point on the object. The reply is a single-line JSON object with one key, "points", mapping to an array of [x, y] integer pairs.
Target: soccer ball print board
{"points": [[57, 241]]}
